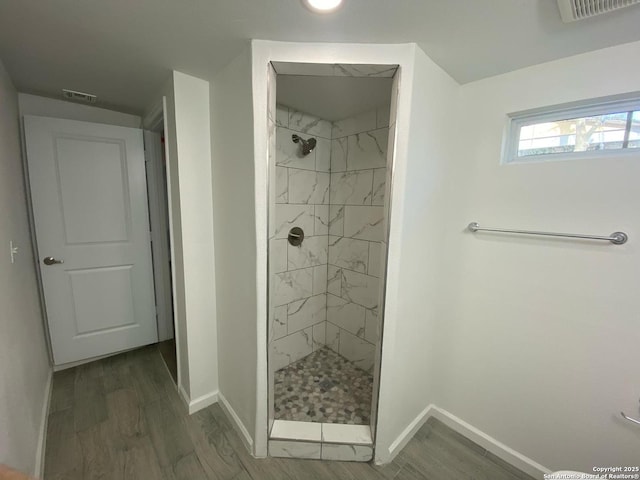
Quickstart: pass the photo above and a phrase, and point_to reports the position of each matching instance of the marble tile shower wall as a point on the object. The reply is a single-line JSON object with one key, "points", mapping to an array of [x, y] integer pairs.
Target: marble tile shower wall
{"points": [[326, 291], [299, 274], [356, 231]]}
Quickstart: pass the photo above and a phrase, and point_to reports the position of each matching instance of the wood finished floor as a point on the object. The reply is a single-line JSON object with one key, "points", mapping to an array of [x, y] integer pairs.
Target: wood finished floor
{"points": [[121, 418], [168, 351]]}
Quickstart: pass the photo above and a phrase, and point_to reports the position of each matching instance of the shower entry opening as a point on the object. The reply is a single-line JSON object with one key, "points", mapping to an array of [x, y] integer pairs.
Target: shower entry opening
{"points": [[331, 143]]}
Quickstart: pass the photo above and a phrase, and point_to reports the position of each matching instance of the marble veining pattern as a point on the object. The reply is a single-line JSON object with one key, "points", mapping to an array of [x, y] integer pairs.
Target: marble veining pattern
{"points": [[356, 228], [328, 287], [346, 453], [357, 350], [335, 69], [279, 323], [323, 155], [334, 280], [372, 326], [375, 259], [359, 288], [379, 186], [282, 185], [350, 126], [383, 116], [291, 348], [319, 279], [308, 187], [352, 188], [298, 282], [319, 335], [323, 387], [278, 255], [309, 124], [288, 449], [339, 154], [312, 252], [352, 70], [346, 315], [321, 220], [332, 337], [282, 116], [368, 150], [336, 220], [307, 312], [288, 216], [364, 223], [291, 286], [349, 253]]}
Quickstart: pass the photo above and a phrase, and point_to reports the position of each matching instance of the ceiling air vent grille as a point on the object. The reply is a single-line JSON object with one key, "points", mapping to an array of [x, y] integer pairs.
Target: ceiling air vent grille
{"points": [[572, 10], [80, 97]]}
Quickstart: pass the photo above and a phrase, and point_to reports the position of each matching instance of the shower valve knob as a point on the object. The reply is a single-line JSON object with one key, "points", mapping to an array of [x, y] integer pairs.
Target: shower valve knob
{"points": [[296, 236]]}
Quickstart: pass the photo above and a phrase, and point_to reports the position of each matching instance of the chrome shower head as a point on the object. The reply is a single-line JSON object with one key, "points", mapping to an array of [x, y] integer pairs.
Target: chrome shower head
{"points": [[307, 145]]}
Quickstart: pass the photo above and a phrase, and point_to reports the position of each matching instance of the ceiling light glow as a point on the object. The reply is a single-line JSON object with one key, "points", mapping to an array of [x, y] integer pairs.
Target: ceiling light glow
{"points": [[323, 6]]}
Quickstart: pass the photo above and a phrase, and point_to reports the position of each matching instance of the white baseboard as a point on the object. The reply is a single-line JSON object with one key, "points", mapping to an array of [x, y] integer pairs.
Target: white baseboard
{"points": [[477, 436], [237, 423], [185, 396], [44, 422], [407, 434], [199, 403], [202, 402]]}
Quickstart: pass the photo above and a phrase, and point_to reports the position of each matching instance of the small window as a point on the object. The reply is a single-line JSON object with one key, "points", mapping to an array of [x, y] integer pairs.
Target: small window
{"points": [[602, 128]]}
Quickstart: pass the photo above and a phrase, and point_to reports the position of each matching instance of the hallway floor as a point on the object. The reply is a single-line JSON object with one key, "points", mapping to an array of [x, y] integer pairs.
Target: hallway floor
{"points": [[121, 418], [168, 351]]}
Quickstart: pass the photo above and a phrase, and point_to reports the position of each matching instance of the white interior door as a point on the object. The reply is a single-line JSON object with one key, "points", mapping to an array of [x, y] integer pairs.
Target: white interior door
{"points": [[88, 191]]}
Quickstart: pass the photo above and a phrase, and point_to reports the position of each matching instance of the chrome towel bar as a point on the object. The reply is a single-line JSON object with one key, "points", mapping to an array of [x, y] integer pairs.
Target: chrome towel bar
{"points": [[630, 419], [617, 238]]}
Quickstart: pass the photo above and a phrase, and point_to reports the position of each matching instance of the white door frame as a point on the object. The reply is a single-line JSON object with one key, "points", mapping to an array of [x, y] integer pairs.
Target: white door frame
{"points": [[158, 211], [156, 121]]}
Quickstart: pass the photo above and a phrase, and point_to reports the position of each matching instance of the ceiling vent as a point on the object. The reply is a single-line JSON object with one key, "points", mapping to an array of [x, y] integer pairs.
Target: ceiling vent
{"points": [[79, 96], [572, 10]]}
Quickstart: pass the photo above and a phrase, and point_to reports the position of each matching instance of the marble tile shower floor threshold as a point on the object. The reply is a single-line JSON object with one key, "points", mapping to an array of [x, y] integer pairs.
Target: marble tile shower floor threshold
{"points": [[323, 387]]}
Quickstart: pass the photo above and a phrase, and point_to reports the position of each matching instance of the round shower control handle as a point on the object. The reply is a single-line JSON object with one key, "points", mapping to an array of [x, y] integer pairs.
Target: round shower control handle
{"points": [[296, 236]]}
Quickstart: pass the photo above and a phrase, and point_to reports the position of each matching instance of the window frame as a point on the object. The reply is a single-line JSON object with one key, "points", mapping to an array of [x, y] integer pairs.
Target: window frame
{"points": [[587, 108]]}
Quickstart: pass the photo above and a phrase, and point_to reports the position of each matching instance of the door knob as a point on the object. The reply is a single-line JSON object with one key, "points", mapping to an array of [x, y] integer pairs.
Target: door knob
{"points": [[51, 261]]}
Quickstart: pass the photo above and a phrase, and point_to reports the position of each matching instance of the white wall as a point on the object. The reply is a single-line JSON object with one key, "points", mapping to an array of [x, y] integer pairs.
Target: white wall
{"points": [[188, 149], [235, 236], [24, 363], [193, 144], [424, 139], [51, 107], [537, 339]]}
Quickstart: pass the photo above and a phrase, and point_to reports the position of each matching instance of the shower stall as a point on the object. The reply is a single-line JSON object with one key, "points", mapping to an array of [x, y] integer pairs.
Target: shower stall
{"points": [[331, 135]]}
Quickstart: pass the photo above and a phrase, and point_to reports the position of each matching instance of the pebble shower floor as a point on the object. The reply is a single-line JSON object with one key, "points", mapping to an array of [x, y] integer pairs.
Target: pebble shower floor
{"points": [[323, 387]]}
